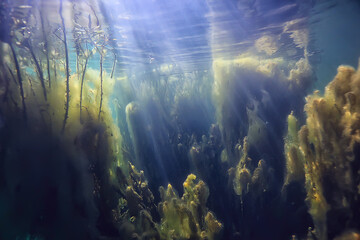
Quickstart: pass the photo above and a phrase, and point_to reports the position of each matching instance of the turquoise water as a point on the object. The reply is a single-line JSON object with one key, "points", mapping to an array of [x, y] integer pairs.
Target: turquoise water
{"points": [[150, 119]]}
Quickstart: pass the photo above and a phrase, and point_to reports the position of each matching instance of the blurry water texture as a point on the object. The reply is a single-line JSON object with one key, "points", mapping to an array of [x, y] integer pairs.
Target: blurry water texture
{"points": [[206, 119]]}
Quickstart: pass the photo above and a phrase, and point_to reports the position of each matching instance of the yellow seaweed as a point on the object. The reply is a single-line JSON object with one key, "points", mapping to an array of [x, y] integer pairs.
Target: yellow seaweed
{"points": [[325, 147], [187, 217]]}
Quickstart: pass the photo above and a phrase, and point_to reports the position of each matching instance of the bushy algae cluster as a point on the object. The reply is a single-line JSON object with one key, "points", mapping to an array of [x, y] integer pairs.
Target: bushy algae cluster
{"points": [[245, 92], [324, 153], [187, 217], [294, 165], [248, 177]]}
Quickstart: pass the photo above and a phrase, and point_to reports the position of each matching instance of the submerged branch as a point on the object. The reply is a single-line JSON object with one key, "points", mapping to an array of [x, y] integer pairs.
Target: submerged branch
{"points": [[20, 80], [66, 67]]}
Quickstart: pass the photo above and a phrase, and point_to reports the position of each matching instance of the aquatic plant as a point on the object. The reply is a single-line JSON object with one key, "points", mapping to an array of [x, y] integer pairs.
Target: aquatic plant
{"points": [[9, 25], [113, 66], [249, 178], [66, 172], [46, 45], [67, 74], [133, 214], [83, 46], [246, 91], [101, 81], [242, 173], [293, 155], [88, 40], [33, 41], [187, 217], [87, 152], [326, 146], [91, 149]]}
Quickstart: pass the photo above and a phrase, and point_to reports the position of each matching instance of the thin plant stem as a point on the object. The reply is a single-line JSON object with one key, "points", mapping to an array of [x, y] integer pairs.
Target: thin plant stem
{"points": [[67, 69], [20, 81], [113, 67], [82, 85], [38, 68], [101, 83], [46, 47]]}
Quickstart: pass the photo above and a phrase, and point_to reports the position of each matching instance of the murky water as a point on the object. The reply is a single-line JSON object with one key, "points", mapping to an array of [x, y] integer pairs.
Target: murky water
{"points": [[150, 119]]}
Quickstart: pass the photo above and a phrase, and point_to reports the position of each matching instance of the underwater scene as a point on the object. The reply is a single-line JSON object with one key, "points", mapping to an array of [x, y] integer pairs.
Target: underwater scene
{"points": [[190, 119]]}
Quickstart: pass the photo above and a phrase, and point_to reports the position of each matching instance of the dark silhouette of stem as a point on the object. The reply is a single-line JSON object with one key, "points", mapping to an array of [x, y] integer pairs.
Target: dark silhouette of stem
{"points": [[20, 81], [39, 70], [31, 87], [101, 83], [82, 85], [13, 100], [67, 69], [55, 74], [12, 76], [97, 19], [46, 47], [7, 83]]}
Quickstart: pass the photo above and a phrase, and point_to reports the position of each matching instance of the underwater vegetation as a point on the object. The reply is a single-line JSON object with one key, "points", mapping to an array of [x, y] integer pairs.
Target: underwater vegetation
{"points": [[89, 150], [187, 217], [323, 155], [82, 186]]}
